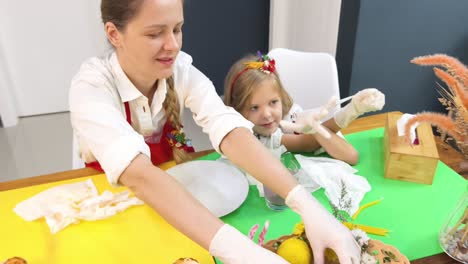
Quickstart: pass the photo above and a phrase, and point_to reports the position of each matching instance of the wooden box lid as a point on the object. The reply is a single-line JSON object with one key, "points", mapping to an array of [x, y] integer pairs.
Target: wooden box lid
{"points": [[426, 148]]}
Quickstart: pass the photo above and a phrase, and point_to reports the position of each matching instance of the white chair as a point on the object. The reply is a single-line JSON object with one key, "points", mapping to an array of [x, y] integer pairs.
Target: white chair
{"points": [[310, 78]]}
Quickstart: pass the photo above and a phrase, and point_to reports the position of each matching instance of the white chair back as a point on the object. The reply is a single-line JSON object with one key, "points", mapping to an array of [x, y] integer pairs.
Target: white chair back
{"points": [[310, 78]]}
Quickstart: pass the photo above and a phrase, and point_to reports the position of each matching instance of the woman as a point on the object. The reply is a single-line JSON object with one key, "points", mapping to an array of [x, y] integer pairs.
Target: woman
{"points": [[122, 104]]}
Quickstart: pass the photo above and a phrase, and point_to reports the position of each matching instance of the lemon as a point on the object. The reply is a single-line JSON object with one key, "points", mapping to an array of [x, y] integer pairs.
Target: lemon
{"points": [[295, 251]]}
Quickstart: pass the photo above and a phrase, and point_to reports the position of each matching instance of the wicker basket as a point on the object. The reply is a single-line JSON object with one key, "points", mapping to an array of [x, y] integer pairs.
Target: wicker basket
{"points": [[386, 253], [382, 252]]}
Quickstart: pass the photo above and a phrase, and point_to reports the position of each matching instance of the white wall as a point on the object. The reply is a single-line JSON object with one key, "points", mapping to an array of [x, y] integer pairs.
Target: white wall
{"points": [[305, 25], [44, 42], [8, 103]]}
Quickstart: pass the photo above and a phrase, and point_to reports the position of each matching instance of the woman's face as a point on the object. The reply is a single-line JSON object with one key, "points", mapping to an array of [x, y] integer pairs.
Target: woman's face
{"points": [[152, 39], [264, 108]]}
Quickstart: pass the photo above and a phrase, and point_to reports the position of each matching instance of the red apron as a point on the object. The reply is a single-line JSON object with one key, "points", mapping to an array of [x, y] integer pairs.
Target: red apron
{"points": [[160, 152]]}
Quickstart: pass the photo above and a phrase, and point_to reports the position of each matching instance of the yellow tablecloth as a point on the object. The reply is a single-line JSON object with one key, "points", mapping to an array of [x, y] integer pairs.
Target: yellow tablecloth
{"points": [[137, 235]]}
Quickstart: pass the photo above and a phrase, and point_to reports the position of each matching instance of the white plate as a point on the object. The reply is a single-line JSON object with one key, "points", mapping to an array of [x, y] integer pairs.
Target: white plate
{"points": [[220, 187]]}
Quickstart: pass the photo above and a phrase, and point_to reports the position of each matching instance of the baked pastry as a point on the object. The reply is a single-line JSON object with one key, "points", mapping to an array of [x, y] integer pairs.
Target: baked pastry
{"points": [[186, 261], [15, 260]]}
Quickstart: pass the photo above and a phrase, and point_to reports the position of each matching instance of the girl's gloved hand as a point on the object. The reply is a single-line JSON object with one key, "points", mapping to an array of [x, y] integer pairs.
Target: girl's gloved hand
{"points": [[322, 229], [309, 121], [364, 101], [232, 247]]}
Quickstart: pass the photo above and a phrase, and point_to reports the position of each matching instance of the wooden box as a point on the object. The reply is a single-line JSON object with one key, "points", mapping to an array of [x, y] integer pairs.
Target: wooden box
{"points": [[406, 162]]}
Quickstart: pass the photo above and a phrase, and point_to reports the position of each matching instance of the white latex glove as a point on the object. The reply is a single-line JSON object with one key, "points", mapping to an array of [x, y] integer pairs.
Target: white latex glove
{"points": [[309, 121], [322, 229], [364, 101], [232, 247]]}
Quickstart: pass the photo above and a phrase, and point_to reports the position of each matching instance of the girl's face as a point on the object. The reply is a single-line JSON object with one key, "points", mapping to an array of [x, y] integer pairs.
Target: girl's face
{"points": [[264, 108], [152, 39]]}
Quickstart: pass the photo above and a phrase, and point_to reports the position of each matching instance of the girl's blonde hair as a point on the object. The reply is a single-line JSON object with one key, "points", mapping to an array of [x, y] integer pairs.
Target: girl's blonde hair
{"points": [[238, 94], [120, 12]]}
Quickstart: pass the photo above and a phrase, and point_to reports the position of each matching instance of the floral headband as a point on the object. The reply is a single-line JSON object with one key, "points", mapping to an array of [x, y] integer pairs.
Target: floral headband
{"points": [[264, 64]]}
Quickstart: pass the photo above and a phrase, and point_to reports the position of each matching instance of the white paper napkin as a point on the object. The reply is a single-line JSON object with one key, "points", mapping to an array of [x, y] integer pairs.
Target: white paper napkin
{"points": [[38, 205], [330, 174], [401, 123], [69, 203]]}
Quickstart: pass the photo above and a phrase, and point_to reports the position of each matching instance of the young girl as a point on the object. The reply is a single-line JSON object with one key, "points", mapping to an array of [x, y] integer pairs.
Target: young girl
{"points": [[253, 88], [126, 104]]}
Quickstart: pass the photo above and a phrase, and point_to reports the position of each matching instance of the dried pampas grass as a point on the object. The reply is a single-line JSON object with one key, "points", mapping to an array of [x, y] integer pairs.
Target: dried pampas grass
{"points": [[455, 99]]}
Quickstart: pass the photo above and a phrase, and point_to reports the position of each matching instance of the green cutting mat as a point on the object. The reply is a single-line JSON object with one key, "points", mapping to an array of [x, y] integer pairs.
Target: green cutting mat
{"points": [[413, 212]]}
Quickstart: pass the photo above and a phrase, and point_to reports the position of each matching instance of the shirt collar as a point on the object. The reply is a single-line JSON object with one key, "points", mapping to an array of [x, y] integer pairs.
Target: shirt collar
{"points": [[159, 96], [128, 91], [125, 87]]}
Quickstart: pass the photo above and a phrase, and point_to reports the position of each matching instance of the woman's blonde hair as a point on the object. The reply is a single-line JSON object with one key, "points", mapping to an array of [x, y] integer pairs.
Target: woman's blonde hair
{"points": [[172, 109], [120, 12], [239, 85]]}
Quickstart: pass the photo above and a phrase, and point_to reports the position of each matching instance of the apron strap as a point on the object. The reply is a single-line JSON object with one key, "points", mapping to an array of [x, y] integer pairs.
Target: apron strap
{"points": [[127, 112]]}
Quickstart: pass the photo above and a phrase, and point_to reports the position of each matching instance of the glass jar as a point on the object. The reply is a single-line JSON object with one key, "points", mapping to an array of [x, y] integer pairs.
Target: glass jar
{"points": [[453, 236], [273, 200]]}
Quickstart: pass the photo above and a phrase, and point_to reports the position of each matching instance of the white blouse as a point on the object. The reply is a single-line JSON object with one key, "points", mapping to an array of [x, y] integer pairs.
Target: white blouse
{"points": [[97, 96]]}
